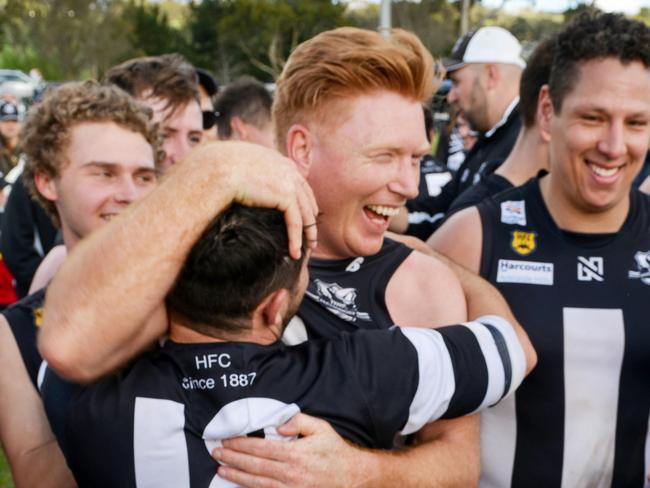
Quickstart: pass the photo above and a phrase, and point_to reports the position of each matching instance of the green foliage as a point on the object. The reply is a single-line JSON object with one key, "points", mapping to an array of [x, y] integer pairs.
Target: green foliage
{"points": [[149, 30], [237, 37], [6, 480], [73, 39]]}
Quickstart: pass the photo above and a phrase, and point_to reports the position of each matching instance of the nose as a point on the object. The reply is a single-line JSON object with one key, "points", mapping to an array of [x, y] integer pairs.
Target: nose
{"points": [[127, 191], [176, 148], [612, 142], [407, 180]]}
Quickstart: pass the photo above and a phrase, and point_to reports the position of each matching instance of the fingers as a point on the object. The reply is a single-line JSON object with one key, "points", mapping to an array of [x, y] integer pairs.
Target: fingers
{"points": [[301, 219], [237, 465], [260, 177], [265, 448], [304, 425], [240, 478]]}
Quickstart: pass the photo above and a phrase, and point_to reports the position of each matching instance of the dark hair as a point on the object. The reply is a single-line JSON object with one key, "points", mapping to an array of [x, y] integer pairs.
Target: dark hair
{"points": [[241, 257], [46, 131], [535, 75], [592, 36], [429, 121], [168, 77], [245, 98]]}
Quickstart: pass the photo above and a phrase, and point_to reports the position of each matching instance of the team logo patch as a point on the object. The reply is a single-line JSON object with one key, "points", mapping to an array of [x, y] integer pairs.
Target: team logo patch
{"points": [[642, 272], [338, 300], [523, 242], [38, 316], [355, 265], [527, 272], [513, 212], [591, 269]]}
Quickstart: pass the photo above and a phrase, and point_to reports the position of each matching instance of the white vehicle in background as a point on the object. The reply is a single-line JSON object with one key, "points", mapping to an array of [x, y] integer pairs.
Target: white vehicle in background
{"points": [[15, 82]]}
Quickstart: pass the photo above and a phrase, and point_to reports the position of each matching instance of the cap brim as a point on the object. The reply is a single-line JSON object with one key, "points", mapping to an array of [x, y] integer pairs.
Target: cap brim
{"points": [[452, 64]]}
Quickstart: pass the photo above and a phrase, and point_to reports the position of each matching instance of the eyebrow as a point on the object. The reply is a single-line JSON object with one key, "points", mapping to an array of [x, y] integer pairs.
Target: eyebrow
{"points": [[113, 166], [590, 106]]}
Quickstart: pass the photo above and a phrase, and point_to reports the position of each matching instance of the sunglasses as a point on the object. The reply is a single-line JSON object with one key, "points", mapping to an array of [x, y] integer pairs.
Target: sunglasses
{"points": [[209, 119]]}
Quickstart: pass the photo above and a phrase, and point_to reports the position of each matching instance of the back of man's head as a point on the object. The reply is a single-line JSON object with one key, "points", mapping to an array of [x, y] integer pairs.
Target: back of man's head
{"points": [[167, 77], [595, 36], [535, 75], [239, 260], [344, 63], [46, 131], [245, 98]]}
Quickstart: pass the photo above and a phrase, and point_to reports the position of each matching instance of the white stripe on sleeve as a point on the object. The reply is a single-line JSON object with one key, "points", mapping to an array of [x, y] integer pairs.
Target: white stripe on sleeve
{"points": [[436, 383]]}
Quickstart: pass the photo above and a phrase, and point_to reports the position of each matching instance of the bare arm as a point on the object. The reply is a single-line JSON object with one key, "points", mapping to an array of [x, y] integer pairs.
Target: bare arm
{"points": [[105, 303], [48, 268], [32, 450]]}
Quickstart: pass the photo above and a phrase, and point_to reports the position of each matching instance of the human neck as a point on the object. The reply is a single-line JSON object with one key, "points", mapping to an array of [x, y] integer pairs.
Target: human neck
{"points": [[528, 156], [70, 239], [180, 333], [570, 218]]}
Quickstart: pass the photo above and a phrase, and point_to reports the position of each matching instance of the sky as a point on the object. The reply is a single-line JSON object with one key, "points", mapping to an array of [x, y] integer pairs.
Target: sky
{"points": [[625, 6]]}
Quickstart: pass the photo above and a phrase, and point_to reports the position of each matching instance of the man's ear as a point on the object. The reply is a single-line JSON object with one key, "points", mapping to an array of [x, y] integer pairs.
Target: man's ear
{"points": [[544, 113], [493, 75], [45, 186], [271, 310], [299, 147], [238, 129]]}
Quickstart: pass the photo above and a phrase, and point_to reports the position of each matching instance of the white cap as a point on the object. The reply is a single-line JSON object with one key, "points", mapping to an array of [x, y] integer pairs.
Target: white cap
{"points": [[486, 45]]}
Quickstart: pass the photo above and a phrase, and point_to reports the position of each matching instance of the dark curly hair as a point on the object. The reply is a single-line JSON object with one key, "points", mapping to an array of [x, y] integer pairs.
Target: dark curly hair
{"points": [[46, 130], [241, 257], [591, 36]]}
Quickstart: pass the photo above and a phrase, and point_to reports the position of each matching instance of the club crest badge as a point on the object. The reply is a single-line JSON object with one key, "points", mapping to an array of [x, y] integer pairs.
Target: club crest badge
{"points": [[523, 243], [642, 260]]}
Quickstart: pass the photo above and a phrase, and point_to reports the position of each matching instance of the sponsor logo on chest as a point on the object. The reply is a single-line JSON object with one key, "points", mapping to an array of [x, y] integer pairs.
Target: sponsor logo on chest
{"points": [[591, 268], [527, 272], [513, 212]]}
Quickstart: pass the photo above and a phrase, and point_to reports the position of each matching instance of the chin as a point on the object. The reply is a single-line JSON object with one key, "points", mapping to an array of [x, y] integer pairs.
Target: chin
{"points": [[369, 247]]}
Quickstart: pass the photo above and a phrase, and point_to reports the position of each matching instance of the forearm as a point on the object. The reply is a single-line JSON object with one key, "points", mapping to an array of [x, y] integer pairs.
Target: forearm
{"points": [[451, 459], [44, 467]]}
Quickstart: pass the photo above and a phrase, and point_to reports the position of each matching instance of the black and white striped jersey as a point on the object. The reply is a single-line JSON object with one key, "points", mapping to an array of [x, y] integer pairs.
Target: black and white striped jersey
{"points": [[580, 419], [156, 423]]}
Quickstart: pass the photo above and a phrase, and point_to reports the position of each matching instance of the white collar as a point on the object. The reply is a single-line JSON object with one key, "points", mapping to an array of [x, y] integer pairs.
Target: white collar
{"points": [[503, 120]]}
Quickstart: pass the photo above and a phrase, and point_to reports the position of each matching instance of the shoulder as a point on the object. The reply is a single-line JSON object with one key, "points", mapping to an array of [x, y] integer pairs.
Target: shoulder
{"points": [[460, 238], [423, 291]]}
